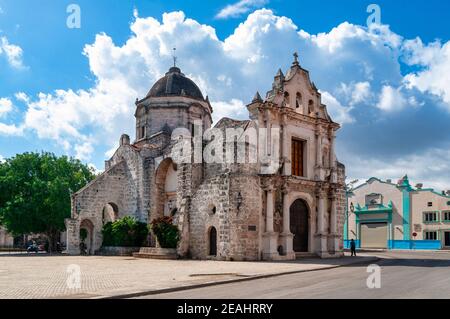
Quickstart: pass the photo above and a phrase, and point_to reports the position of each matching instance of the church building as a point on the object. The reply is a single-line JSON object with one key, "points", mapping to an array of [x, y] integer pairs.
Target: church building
{"points": [[279, 198]]}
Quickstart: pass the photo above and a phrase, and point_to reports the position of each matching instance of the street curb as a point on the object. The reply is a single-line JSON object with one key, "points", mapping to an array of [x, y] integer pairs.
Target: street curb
{"points": [[230, 281]]}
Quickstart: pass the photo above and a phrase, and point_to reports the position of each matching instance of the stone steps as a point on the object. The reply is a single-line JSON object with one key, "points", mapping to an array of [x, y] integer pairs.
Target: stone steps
{"points": [[299, 255], [156, 253]]}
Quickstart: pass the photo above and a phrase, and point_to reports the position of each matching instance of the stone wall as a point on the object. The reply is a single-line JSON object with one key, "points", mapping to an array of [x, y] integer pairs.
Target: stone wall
{"points": [[116, 186], [210, 207]]}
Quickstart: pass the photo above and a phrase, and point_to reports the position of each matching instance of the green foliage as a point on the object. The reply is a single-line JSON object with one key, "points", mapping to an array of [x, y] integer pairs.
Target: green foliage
{"points": [[166, 232], [35, 192], [125, 232], [83, 234]]}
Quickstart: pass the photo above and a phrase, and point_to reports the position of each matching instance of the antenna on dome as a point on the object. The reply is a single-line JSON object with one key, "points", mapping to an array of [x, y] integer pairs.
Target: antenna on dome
{"points": [[174, 57]]}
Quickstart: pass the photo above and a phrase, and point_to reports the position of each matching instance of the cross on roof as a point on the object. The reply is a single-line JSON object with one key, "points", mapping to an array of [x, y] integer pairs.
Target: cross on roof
{"points": [[295, 57]]}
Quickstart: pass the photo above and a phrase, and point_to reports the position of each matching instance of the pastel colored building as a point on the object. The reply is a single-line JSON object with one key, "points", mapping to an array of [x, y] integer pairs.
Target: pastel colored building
{"points": [[382, 214]]}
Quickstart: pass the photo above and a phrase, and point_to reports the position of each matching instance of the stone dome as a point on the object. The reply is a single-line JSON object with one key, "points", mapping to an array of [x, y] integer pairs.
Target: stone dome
{"points": [[175, 83]]}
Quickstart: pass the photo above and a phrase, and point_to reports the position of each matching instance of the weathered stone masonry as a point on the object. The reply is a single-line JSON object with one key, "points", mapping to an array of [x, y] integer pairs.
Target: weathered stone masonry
{"points": [[290, 207]]}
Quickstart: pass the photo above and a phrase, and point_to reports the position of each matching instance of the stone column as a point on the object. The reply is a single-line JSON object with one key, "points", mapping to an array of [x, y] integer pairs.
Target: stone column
{"points": [[285, 144], [73, 236], [320, 174], [333, 158], [335, 236], [269, 211], [321, 233], [319, 149], [287, 237], [270, 238]]}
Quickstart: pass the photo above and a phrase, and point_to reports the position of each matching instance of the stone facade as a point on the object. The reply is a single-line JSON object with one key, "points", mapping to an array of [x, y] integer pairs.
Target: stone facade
{"points": [[273, 199]]}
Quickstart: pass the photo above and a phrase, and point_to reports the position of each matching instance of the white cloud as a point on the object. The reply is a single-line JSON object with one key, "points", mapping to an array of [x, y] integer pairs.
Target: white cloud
{"points": [[6, 106], [232, 109], [348, 64], [356, 93], [21, 96], [391, 99], [434, 77], [2, 159], [95, 169], [237, 9], [337, 111], [84, 151], [431, 168], [13, 53], [10, 130]]}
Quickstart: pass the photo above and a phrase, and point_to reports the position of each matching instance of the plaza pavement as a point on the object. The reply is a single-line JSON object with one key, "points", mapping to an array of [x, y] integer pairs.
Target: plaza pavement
{"points": [[43, 276]]}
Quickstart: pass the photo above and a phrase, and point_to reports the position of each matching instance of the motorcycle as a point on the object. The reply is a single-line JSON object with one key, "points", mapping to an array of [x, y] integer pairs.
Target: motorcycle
{"points": [[33, 249]]}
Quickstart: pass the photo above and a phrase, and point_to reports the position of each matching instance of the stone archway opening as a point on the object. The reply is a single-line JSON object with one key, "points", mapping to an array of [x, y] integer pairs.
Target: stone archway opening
{"points": [[299, 225], [86, 237], [110, 213], [166, 180], [212, 241]]}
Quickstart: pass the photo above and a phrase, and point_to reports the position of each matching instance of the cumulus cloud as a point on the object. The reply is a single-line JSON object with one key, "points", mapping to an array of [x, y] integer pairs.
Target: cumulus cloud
{"points": [[6, 106], [434, 76], [431, 168], [391, 99], [84, 151], [10, 129], [12, 52], [357, 69], [224, 109], [237, 9], [337, 111]]}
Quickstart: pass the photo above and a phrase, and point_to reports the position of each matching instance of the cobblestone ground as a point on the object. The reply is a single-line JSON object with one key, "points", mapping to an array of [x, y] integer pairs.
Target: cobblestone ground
{"points": [[41, 276]]}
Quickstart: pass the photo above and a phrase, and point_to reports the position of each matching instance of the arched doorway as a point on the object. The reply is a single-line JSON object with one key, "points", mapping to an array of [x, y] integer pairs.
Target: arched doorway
{"points": [[110, 213], [166, 181], [87, 236], [213, 241], [299, 225]]}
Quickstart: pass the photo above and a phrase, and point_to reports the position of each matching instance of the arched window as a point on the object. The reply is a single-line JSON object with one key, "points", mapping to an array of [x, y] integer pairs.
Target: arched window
{"points": [[310, 106], [298, 101], [286, 99]]}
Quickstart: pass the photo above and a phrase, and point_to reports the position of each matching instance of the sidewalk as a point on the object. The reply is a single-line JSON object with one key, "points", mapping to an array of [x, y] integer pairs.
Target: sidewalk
{"points": [[119, 277]]}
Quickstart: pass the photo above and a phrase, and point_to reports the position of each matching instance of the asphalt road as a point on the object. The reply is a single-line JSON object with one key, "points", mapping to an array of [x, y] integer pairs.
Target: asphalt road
{"points": [[403, 275]]}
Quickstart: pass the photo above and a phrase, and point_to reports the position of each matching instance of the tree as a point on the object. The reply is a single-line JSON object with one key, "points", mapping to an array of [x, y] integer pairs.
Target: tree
{"points": [[127, 232], [35, 191]]}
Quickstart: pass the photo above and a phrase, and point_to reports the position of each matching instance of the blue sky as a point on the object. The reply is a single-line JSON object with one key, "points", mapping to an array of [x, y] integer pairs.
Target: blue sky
{"points": [[71, 91]]}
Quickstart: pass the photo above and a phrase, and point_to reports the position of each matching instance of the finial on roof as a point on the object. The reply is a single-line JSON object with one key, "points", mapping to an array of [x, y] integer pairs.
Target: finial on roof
{"points": [[279, 73], [295, 59], [257, 98], [174, 58]]}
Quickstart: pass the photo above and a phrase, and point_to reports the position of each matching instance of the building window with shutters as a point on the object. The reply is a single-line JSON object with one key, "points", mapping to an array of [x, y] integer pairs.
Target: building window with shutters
{"points": [[430, 217], [430, 235], [446, 216], [297, 149]]}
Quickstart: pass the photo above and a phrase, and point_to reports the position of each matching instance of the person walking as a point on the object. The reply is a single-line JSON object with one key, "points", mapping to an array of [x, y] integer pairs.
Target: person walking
{"points": [[353, 247]]}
